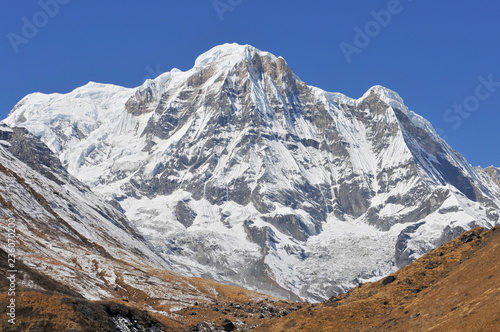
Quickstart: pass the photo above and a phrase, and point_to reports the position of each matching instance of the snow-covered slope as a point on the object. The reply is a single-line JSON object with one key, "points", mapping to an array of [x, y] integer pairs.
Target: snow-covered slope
{"points": [[63, 229], [238, 171]]}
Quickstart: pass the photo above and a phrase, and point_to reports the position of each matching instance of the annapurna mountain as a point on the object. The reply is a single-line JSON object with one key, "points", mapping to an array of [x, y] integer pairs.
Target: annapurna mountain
{"points": [[238, 171]]}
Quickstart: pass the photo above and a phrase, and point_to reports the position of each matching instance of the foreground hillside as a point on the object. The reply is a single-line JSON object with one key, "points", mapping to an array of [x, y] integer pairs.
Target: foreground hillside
{"points": [[44, 304], [453, 288]]}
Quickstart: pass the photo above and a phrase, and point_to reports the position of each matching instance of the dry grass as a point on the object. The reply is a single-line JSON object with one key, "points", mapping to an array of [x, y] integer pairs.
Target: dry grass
{"points": [[38, 311], [453, 288]]}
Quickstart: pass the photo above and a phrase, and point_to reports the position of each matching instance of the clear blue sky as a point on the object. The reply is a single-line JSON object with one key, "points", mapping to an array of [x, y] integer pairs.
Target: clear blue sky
{"points": [[431, 52]]}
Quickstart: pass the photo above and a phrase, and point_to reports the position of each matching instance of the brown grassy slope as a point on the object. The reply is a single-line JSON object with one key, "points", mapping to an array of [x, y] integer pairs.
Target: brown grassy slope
{"points": [[38, 311], [453, 288], [44, 304], [52, 306], [58, 309]]}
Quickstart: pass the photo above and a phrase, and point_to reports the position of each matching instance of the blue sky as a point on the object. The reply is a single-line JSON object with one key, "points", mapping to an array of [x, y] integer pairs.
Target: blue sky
{"points": [[442, 57]]}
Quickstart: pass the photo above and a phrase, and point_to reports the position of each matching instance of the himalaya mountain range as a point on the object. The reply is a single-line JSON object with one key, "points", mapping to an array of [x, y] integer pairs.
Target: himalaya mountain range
{"points": [[238, 171]]}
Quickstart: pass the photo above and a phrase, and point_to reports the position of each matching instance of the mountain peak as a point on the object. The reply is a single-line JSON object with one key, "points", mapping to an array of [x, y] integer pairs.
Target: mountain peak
{"points": [[394, 100], [388, 96], [229, 55], [218, 60]]}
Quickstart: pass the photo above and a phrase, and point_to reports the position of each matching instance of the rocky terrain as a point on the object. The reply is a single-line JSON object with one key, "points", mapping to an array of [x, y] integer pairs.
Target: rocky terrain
{"points": [[238, 171], [493, 173]]}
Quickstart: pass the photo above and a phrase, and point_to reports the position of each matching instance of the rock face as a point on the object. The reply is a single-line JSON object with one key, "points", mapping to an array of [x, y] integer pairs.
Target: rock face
{"points": [[493, 173], [238, 171]]}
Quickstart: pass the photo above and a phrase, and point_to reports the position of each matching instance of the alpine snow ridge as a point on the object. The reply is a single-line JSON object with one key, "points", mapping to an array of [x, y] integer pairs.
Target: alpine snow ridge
{"points": [[238, 171]]}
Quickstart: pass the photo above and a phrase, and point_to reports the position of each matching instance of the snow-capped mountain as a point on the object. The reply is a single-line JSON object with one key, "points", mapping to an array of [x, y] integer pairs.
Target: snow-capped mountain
{"points": [[238, 171]]}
